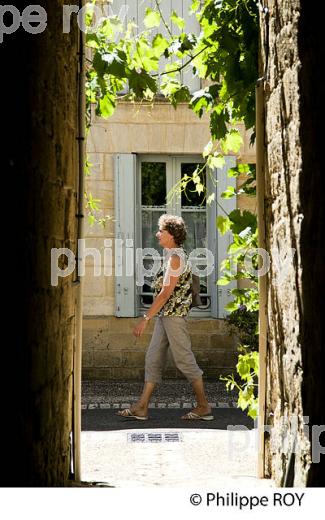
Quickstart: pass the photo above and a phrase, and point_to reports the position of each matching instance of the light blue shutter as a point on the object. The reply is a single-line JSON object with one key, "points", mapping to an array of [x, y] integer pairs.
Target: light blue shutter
{"points": [[221, 293], [125, 204]]}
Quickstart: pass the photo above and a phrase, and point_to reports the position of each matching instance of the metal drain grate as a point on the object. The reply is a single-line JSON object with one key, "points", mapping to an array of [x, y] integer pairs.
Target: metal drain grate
{"points": [[155, 437]]}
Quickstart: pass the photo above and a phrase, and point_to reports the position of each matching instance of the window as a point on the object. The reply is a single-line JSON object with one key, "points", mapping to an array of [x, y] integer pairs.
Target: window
{"points": [[156, 177], [141, 186]]}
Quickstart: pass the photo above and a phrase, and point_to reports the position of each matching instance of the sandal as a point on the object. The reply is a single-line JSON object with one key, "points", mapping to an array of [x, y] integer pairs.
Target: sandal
{"points": [[127, 414], [192, 416]]}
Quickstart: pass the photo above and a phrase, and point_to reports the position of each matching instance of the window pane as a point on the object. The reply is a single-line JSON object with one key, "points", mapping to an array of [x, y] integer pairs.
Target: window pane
{"points": [[153, 183], [146, 299], [196, 229], [191, 196], [150, 228]]}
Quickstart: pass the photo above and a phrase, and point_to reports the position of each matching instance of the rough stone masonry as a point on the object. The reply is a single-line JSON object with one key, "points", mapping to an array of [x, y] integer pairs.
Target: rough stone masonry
{"points": [[291, 64]]}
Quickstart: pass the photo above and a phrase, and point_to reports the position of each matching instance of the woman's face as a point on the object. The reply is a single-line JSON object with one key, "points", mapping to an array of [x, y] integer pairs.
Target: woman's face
{"points": [[165, 239]]}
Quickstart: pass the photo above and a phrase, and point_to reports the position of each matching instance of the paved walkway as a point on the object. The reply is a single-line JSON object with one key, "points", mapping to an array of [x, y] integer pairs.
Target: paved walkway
{"points": [[170, 394], [171, 458], [164, 451]]}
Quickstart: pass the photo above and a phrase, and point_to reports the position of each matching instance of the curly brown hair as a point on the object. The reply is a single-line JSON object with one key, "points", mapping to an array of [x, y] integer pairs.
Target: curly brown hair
{"points": [[175, 226]]}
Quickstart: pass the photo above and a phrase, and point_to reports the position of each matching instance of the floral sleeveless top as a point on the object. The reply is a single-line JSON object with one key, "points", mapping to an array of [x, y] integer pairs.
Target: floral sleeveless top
{"points": [[180, 300]]}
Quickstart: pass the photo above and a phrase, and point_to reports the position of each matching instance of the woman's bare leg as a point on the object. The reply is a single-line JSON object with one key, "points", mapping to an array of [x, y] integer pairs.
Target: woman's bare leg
{"points": [[141, 406], [202, 407]]}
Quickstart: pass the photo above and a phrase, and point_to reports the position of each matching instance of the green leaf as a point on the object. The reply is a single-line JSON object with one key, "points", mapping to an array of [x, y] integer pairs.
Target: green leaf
{"points": [[202, 100], [211, 198], [223, 224], [231, 142], [253, 409], [241, 169], [223, 281], [196, 4], [215, 161], [233, 306], [152, 18], [208, 148], [116, 64], [228, 193], [188, 41], [139, 82], [241, 220], [177, 20], [159, 45], [243, 368], [107, 29], [107, 105], [115, 24], [92, 40], [218, 125], [175, 91], [91, 219]]}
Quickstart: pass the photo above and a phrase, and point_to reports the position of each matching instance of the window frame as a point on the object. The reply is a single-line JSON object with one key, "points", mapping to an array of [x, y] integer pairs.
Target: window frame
{"points": [[173, 174]]}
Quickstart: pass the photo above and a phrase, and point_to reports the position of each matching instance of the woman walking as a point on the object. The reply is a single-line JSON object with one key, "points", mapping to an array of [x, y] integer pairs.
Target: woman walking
{"points": [[172, 302]]}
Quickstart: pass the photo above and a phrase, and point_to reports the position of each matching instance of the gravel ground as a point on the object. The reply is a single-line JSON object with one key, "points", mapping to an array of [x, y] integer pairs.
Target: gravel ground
{"points": [[169, 391]]}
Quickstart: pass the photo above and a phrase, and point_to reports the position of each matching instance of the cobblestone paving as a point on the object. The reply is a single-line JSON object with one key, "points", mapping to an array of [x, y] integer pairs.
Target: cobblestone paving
{"points": [[170, 394]]}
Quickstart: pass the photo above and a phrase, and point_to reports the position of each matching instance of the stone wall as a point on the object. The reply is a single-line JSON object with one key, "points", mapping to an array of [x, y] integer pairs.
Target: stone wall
{"points": [[291, 61], [109, 353], [40, 165]]}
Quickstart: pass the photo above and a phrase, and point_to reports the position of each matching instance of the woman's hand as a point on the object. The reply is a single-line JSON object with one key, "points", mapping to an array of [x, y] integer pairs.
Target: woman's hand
{"points": [[140, 328]]}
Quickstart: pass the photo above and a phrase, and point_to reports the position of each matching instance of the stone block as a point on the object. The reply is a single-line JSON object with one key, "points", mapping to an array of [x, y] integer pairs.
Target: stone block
{"points": [[109, 166], [174, 137], [200, 341], [223, 342], [126, 324], [107, 358], [96, 373], [131, 138], [197, 325], [94, 286], [133, 359], [109, 287], [100, 186], [195, 138], [97, 166], [214, 373], [121, 341], [127, 374], [87, 358], [157, 138], [215, 358], [99, 139], [98, 306], [95, 339], [95, 324]]}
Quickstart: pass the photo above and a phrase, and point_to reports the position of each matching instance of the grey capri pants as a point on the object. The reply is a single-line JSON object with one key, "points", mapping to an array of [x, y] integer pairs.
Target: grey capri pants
{"points": [[170, 331]]}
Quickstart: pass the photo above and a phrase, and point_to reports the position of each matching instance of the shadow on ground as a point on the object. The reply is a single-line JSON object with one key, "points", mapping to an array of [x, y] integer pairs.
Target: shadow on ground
{"points": [[108, 420]]}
